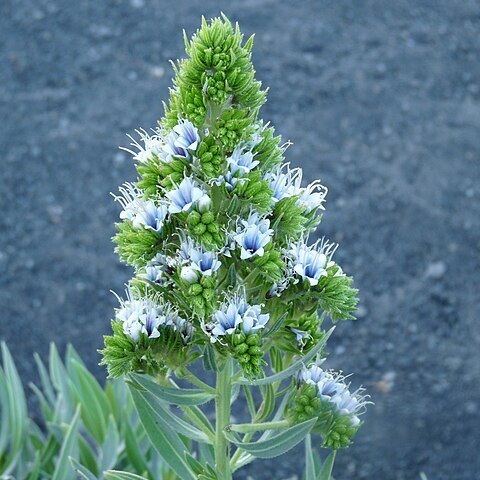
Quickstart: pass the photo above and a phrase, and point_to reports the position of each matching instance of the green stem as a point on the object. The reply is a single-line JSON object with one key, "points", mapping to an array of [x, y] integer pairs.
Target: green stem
{"points": [[222, 414], [256, 427]]}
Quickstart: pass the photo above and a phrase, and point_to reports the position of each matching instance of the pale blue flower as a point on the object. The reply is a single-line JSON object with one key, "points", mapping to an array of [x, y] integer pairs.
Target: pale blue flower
{"points": [[241, 161], [205, 262], [253, 236], [285, 182], [227, 179], [332, 388], [185, 195], [236, 312], [182, 140], [301, 337], [313, 196], [197, 261], [152, 146], [142, 213], [146, 316], [155, 269], [312, 262]]}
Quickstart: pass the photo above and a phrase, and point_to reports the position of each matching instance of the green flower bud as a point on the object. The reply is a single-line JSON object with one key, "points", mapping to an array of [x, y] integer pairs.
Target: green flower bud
{"points": [[199, 229], [208, 217], [194, 218]]}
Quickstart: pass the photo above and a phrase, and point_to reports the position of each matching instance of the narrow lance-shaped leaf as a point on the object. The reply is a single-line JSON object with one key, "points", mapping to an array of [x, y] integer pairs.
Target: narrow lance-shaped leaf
{"points": [[165, 440], [176, 396], [275, 445], [63, 468]]}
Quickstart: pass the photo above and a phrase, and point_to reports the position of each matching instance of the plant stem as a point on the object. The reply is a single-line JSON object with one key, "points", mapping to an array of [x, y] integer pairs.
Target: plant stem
{"points": [[222, 414]]}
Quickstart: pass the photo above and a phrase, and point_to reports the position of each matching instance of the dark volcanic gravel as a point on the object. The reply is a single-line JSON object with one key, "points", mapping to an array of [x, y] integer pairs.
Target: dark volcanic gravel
{"points": [[381, 100]]}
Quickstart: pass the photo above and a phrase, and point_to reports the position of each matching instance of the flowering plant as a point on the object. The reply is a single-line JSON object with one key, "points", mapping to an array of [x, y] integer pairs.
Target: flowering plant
{"points": [[217, 228]]}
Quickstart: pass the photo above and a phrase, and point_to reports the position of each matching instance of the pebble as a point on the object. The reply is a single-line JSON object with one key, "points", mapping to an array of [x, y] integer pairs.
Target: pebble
{"points": [[436, 270], [157, 71], [55, 212], [361, 312]]}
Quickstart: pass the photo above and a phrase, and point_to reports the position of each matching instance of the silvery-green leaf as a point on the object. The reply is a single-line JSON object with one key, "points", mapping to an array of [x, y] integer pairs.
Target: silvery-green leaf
{"points": [[276, 444], [268, 403], [82, 471], [110, 445], [63, 469], [309, 460], [165, 440], [208, 358], [14, 411], [327, 467], [176, 396], [45, 382], [117, 475], [95, 406], [64, 405]]}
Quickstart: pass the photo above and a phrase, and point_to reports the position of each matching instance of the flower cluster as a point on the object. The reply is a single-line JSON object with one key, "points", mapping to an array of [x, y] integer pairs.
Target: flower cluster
{"points": [[217, 226], [325, 394], [237, 325]]}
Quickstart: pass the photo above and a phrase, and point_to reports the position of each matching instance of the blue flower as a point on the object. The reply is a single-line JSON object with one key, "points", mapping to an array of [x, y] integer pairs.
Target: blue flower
{"points": [[241, 162], [146, 316], [227, 179], [285, 182], [236, 313], [313, 196], [253, 236], [312, 262], [185, 195], [142, 213], [155, 269], [204, 262], [197, 261], [331, 388], [151, 148], [182, 140]]}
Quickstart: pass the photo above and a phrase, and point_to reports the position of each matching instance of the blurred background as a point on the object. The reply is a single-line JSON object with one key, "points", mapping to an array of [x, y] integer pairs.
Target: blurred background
{"points": [[382, 102]]}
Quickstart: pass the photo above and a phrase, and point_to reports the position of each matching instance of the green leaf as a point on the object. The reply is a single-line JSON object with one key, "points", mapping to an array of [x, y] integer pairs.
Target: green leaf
{"points": [[110, 445], [64, 406], [176, 396], [326, 471], [275, 445], [95, 406], [309, 460], [14, 411], [170, 420], [63, 469], [117, 475], [291, 369], [135, 457], [35, 469], [165, 440], [84, 472], [47, 387], [208, 358], [268, 403]]}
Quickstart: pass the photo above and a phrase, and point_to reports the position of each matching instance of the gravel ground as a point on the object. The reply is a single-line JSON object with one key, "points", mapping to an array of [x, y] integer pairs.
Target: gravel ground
{"points": [[381, 100]]}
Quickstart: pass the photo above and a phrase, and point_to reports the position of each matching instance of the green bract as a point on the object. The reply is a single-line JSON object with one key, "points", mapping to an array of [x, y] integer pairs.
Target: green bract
{"points": [[217, 228]]}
